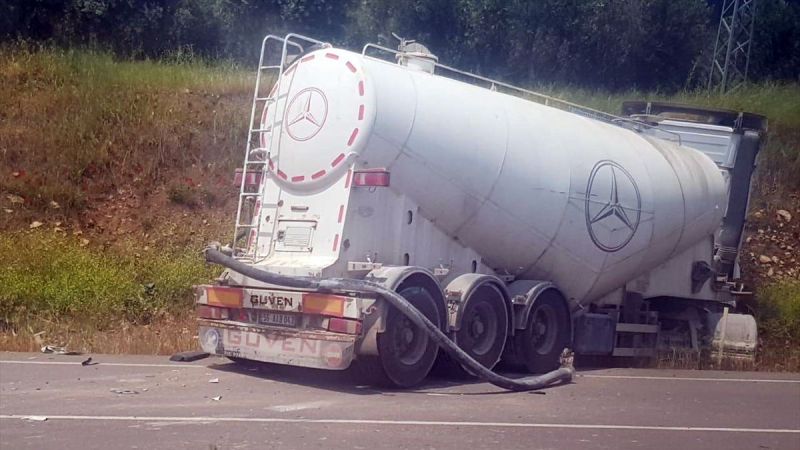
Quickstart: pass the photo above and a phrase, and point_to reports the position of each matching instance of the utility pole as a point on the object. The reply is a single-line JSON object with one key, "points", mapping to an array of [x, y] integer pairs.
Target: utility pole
{"points": [[731, 57]]}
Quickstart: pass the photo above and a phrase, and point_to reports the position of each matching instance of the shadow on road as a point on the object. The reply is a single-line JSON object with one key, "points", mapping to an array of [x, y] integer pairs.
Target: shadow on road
{"points": [[347, 381]]}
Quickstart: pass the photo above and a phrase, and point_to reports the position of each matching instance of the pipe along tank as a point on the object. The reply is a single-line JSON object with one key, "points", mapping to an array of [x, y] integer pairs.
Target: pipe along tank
{"points": [[554, 209]]}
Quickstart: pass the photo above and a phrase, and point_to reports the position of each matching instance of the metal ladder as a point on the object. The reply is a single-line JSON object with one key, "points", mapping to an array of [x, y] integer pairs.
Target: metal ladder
{"points": [[257, 158]]}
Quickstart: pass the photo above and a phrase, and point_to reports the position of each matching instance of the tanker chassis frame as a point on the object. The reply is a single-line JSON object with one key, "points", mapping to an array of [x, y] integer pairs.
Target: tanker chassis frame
{"points": [[680, 305]]}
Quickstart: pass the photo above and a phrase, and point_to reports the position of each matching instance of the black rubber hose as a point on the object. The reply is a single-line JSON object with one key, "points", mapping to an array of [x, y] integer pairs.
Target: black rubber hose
{"points": [[564, 374]]}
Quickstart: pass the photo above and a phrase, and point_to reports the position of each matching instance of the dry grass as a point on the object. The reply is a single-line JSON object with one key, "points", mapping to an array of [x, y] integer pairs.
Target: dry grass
{"points": [[165, 336], [771, 356]]}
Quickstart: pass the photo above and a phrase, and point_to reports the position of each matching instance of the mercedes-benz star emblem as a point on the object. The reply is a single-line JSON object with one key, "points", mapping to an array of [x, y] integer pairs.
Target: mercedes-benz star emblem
{"points": [[613, 206], [306, 114]]}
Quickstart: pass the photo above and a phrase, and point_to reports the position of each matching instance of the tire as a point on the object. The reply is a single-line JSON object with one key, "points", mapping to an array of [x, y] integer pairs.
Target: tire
{"points": [[405, 352], [484, 326], [538, 347]]}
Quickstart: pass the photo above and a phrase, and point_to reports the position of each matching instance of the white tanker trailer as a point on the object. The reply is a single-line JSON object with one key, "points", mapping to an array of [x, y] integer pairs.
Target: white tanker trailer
{"points": [[520, 224]]}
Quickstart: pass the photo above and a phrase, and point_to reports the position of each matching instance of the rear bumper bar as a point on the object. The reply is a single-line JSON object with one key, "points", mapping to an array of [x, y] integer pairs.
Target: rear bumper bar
{"points": [[305, 348]]}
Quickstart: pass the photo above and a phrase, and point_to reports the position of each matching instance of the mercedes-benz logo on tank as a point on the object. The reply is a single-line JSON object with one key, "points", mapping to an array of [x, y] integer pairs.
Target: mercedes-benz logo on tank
{"points": [[613, 206], [306, 114]]}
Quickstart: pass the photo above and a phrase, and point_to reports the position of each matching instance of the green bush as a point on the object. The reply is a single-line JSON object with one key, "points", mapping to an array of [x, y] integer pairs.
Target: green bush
{"points": [[54, 278], [779, 309]]}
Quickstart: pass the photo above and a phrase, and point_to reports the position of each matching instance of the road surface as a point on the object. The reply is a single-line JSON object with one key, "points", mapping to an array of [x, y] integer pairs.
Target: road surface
{"points": [[148, 402]]}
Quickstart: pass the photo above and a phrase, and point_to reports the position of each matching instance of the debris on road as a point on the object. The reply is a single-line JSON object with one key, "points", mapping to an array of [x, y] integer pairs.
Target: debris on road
{"points": [[214, 380], [188, 356], [88, 362], [124, 391], [217, 398], [35, 418], [58, 350]]}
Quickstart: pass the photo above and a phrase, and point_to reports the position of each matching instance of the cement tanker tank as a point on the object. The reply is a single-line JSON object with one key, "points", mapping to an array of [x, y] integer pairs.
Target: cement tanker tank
{"points": [[539, 192]]}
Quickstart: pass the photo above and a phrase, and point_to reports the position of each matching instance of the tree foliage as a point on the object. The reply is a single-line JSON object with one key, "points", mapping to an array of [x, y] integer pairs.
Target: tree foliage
{"points": [[595, 43]]}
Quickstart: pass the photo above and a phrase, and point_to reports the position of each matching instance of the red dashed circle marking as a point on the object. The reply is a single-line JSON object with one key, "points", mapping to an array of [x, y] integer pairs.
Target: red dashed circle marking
{"points": [[352, 137], [361, 112], [338, 159]]}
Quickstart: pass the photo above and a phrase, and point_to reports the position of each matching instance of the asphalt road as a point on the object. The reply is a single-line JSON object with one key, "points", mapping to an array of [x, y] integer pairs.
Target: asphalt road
{"points": [[148, 402]]}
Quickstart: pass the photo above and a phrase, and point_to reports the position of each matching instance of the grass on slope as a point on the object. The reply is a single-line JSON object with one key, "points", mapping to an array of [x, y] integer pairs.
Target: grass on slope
{"points": [[75, 124]]}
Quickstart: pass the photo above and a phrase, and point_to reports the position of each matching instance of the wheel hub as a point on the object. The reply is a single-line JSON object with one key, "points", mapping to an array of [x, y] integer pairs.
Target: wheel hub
{"points": [[478, 328]]}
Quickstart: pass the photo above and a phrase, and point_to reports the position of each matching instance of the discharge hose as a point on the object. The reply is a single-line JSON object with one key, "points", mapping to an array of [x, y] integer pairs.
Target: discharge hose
{"points": [[564, 374]]}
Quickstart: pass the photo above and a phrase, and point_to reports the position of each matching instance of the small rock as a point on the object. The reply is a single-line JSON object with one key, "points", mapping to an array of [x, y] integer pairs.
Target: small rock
{"points": [[775, 259], [784, 215], [54, 205], [764, 259], [84, 242], [35, 224], [9, 211], [770, 272]]}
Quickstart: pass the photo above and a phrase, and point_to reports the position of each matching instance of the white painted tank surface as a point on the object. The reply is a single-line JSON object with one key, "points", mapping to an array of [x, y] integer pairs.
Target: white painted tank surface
{"points": [[539, 192]]}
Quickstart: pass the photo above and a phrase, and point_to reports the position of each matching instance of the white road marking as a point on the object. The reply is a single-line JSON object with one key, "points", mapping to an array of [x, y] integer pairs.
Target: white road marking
{"points": [[406, 422], [78, 363], [643, 377]]}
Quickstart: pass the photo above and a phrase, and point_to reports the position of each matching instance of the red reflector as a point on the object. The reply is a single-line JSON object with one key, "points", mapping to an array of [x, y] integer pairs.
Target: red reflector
{"points": [[253, 178], [344, 326], [210, 312], [371, 177]]}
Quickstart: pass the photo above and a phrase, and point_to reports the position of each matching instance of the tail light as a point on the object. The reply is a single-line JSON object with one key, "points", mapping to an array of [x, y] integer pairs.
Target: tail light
{"points": [[344, 326], [371, 178], [211, 312]]}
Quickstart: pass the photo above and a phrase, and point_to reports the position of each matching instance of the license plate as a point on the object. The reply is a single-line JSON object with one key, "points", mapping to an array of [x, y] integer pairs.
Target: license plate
{"points": [[277, 347], [272, 318]]}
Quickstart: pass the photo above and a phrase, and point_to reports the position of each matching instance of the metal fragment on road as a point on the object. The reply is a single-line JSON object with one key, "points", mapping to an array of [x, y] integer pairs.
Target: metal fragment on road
{"points": [[35, 418], [124, 391], [58, 350]]}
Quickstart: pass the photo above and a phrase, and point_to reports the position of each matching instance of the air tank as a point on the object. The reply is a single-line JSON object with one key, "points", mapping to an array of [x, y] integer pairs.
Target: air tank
{"points": [[538, 192]]}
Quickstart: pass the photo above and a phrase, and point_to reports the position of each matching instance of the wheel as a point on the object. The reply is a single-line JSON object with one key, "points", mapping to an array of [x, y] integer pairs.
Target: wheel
{"points": [[405, 352], [484, 326], [539, 345]]}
